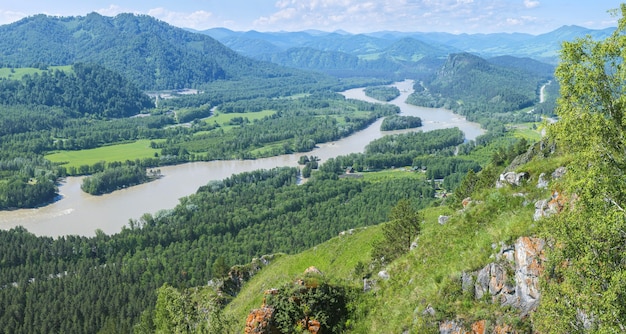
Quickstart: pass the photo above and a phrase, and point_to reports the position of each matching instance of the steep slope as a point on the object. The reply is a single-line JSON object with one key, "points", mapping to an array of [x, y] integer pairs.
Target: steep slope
{"points": [[526, 64], [439, 284], [543, 47], [151, 53], [479, 89]]}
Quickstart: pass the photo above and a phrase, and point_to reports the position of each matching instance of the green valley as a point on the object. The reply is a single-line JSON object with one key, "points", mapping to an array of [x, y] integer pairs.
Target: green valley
{"points": [[421, 230]]}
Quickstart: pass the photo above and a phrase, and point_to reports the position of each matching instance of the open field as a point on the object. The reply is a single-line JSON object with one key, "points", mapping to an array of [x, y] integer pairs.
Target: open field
{"points": [[223, 119], [18, 73], [129, 151]]}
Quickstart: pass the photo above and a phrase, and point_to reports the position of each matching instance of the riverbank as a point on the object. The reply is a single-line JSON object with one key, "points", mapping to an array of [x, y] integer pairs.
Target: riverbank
{"points": [[80, 213]]}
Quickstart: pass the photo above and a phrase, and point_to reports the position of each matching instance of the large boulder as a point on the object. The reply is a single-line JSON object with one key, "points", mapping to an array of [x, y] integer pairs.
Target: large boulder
{"points": [[559, 172], [493, 279], [521, 289], [511, 178], [529, 258], [451, 327], [260, 321], [443, 219]]}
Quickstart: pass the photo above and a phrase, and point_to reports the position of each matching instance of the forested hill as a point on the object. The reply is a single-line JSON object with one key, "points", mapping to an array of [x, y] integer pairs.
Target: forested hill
{"points": [[86, 89], [151, 53], [482, 90]]}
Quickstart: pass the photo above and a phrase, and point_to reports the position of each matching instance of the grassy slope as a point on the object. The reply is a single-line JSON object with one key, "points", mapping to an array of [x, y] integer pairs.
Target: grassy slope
{"points": [[335, 258], [429, 275], [19, 73]]}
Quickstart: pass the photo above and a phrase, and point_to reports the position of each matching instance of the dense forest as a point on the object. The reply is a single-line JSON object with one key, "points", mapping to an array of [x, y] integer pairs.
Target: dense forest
{"points": [[89, 90], [115, 178], [482, 91], [150, 53], [395, 122], [242, 217], [382, 93]]}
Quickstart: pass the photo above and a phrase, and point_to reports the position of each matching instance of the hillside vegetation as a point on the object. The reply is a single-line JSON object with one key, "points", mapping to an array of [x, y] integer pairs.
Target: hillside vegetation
{"points": [[531, 244], [151, 53], [482, 91], [423, 232]]}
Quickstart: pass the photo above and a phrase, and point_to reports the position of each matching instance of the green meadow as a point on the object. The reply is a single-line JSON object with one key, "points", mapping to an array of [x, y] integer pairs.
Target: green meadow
{"points": [[19, 73], [128, 151]]}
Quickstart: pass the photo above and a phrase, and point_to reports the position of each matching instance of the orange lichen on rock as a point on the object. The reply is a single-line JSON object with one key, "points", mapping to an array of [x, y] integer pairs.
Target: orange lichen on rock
{"points": [[259, 321], [479, 327]]}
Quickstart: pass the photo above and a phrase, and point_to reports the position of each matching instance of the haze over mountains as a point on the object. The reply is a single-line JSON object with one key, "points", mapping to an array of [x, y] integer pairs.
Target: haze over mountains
{"points": [[156, 55], [542, 47]]}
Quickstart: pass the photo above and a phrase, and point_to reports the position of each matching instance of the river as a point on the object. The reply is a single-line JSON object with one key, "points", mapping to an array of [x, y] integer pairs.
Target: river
{"points": [[80, 213]]}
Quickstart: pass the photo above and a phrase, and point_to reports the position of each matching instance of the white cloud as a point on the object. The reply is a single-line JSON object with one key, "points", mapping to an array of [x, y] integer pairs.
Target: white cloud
{"points": [[198, 20], [531, 3], [7, 16], [113, 10]]}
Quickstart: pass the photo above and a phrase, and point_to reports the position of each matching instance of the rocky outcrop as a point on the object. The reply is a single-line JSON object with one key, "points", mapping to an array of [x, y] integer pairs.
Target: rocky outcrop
{"points": [[451, 327], [529, 258], [479, 327], [260, 321], [547, 208], [504, 329], [263, 320], [542, 183], [493, 281], [238, 275], [514, 283], [558, 173], [512, 280], [511, 178], [457, 327], [443, 219]]}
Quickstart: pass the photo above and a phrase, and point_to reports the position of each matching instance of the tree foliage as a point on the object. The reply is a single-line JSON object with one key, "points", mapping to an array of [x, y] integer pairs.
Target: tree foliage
{"points": [[398, 234], [382, 93], [396, 122], [87, 90], [585, 287]]}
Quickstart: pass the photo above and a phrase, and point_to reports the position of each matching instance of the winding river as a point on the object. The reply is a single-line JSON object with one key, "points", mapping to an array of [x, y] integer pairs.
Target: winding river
{"points": [[80, 213]]}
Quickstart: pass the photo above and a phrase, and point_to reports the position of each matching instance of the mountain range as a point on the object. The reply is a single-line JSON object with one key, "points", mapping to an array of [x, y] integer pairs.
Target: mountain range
{"points": [[543, 47], [156, 55], [152, 53]]}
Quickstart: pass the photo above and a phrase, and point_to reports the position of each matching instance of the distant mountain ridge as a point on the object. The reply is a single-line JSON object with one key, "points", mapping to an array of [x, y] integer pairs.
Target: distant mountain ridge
{"points": [[151, 53], [543, 47], [155, 55]]}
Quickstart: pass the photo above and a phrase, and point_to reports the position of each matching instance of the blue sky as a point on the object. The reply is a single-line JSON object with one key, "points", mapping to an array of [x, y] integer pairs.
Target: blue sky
{"points": [[356, 16]]}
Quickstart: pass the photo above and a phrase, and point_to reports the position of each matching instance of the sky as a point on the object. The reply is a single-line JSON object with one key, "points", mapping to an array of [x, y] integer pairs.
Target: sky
{"points": [[354, 16]]}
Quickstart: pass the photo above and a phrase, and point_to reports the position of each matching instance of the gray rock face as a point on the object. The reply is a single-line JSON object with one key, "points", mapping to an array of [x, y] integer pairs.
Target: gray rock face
{"points": [[540, 209], [529, 259], [520, 290], [545, 208], [451, 327], [511, 178], [542, 183], [443, 219], [559, 172], [383, 274], [507, 252], [492, 279], [367, 285], [429, 311], [467, 281]]}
